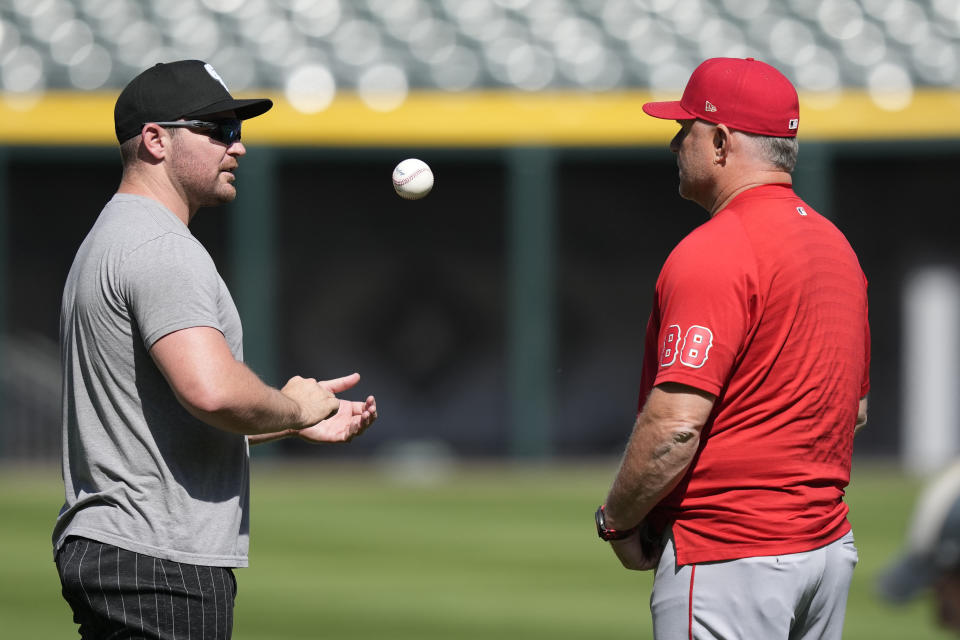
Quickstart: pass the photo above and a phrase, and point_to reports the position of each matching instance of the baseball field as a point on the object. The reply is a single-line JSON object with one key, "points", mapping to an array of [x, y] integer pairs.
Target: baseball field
{"points": [[475, 551]]}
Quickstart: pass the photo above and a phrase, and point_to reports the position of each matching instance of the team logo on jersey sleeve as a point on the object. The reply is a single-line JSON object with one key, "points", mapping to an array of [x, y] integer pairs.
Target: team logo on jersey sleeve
{"points": [[692, 350]]}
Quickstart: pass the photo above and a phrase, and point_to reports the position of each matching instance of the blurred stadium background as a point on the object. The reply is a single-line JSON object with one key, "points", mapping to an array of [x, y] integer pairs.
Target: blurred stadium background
{"points": [[502, 317]]}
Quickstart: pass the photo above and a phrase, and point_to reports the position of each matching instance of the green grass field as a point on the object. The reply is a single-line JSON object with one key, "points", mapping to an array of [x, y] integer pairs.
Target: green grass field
{"points": [[494, 551]]}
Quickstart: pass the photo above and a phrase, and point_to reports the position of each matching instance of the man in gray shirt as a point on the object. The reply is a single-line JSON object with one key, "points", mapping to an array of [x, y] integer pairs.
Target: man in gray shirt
{"points": [[158, 407]]}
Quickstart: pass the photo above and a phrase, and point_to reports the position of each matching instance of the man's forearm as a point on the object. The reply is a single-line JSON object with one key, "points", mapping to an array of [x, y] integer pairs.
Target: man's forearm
{"points": [[656, 458], [242, 403], [663, 443], [223, 392]]}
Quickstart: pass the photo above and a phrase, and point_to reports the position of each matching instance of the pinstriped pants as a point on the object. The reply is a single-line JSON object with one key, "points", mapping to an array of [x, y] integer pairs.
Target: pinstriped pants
{"points": [[117, 594]]}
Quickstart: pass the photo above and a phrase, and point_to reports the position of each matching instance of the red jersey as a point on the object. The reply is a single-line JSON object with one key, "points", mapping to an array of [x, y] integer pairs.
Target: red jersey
{"points": [[765, 307]]}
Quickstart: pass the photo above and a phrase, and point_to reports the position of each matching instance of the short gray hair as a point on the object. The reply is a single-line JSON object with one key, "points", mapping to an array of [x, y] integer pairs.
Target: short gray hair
{"points": [[780, 152]]}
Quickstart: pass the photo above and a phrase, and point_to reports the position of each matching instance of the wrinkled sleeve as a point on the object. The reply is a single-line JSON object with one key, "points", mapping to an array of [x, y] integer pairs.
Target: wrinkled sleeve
{"points": [[170, 283]]}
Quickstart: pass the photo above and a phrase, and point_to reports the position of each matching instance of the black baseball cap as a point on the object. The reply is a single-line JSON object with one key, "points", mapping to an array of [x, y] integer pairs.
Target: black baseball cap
{"points": [[174, 90], [933, 540]]}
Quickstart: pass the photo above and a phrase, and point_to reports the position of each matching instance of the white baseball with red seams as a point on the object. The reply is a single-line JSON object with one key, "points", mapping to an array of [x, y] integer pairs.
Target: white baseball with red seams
{"points": [[412, 179]]}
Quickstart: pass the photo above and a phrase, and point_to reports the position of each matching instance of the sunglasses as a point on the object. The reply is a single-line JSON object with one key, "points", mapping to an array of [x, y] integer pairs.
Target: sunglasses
{"points": [[226, 131]]}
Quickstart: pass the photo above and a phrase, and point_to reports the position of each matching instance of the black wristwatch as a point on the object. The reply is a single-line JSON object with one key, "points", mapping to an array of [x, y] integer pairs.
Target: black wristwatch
{"points": [[611, 534]]}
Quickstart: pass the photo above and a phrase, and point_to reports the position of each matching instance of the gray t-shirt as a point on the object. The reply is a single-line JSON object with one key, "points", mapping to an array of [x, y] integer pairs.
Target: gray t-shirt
{"points": [[140, 472]]}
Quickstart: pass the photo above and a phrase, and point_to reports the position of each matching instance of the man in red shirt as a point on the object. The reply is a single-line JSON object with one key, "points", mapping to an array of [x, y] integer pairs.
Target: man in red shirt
{"points": [[755, 376]]}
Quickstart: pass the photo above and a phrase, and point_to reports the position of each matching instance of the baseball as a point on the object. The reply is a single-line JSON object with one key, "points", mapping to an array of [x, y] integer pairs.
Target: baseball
{"points": [[412, 179]]}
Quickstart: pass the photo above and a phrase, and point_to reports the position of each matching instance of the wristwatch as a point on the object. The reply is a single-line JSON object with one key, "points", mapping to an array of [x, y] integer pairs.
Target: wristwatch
{"points": [[611, 534]]}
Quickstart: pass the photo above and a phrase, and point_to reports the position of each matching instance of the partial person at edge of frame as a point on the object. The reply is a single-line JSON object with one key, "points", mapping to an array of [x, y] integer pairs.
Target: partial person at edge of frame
{"points": [[930, 558]]}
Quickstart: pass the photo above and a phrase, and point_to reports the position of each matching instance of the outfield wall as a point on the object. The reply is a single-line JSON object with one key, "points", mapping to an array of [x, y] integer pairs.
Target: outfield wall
{"points": [[502, 315]]}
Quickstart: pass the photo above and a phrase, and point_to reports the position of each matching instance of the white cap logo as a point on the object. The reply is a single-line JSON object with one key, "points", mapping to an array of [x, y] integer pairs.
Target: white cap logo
{"points": [[793, 124], [216, 76], [709, 107]]}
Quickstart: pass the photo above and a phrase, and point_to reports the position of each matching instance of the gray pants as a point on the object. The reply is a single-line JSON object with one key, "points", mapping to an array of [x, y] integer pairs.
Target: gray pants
{"points": [[799, 596], [117, 594]]}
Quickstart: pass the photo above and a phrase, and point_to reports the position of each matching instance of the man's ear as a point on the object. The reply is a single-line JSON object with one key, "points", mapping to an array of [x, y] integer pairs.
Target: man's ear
{"points": [[721, 143], [154, 141]]}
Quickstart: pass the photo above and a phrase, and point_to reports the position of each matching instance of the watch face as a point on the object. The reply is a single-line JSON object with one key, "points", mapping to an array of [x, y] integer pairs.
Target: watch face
{"points": [[610, 534], [602, 531]]}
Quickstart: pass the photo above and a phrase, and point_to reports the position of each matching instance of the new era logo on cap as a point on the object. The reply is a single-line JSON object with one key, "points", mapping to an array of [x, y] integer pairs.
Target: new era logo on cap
{"points": [[709, 107]]}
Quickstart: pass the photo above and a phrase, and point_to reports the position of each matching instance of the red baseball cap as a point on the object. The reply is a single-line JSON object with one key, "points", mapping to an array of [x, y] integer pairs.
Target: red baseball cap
{"points": [[742, 93]]}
